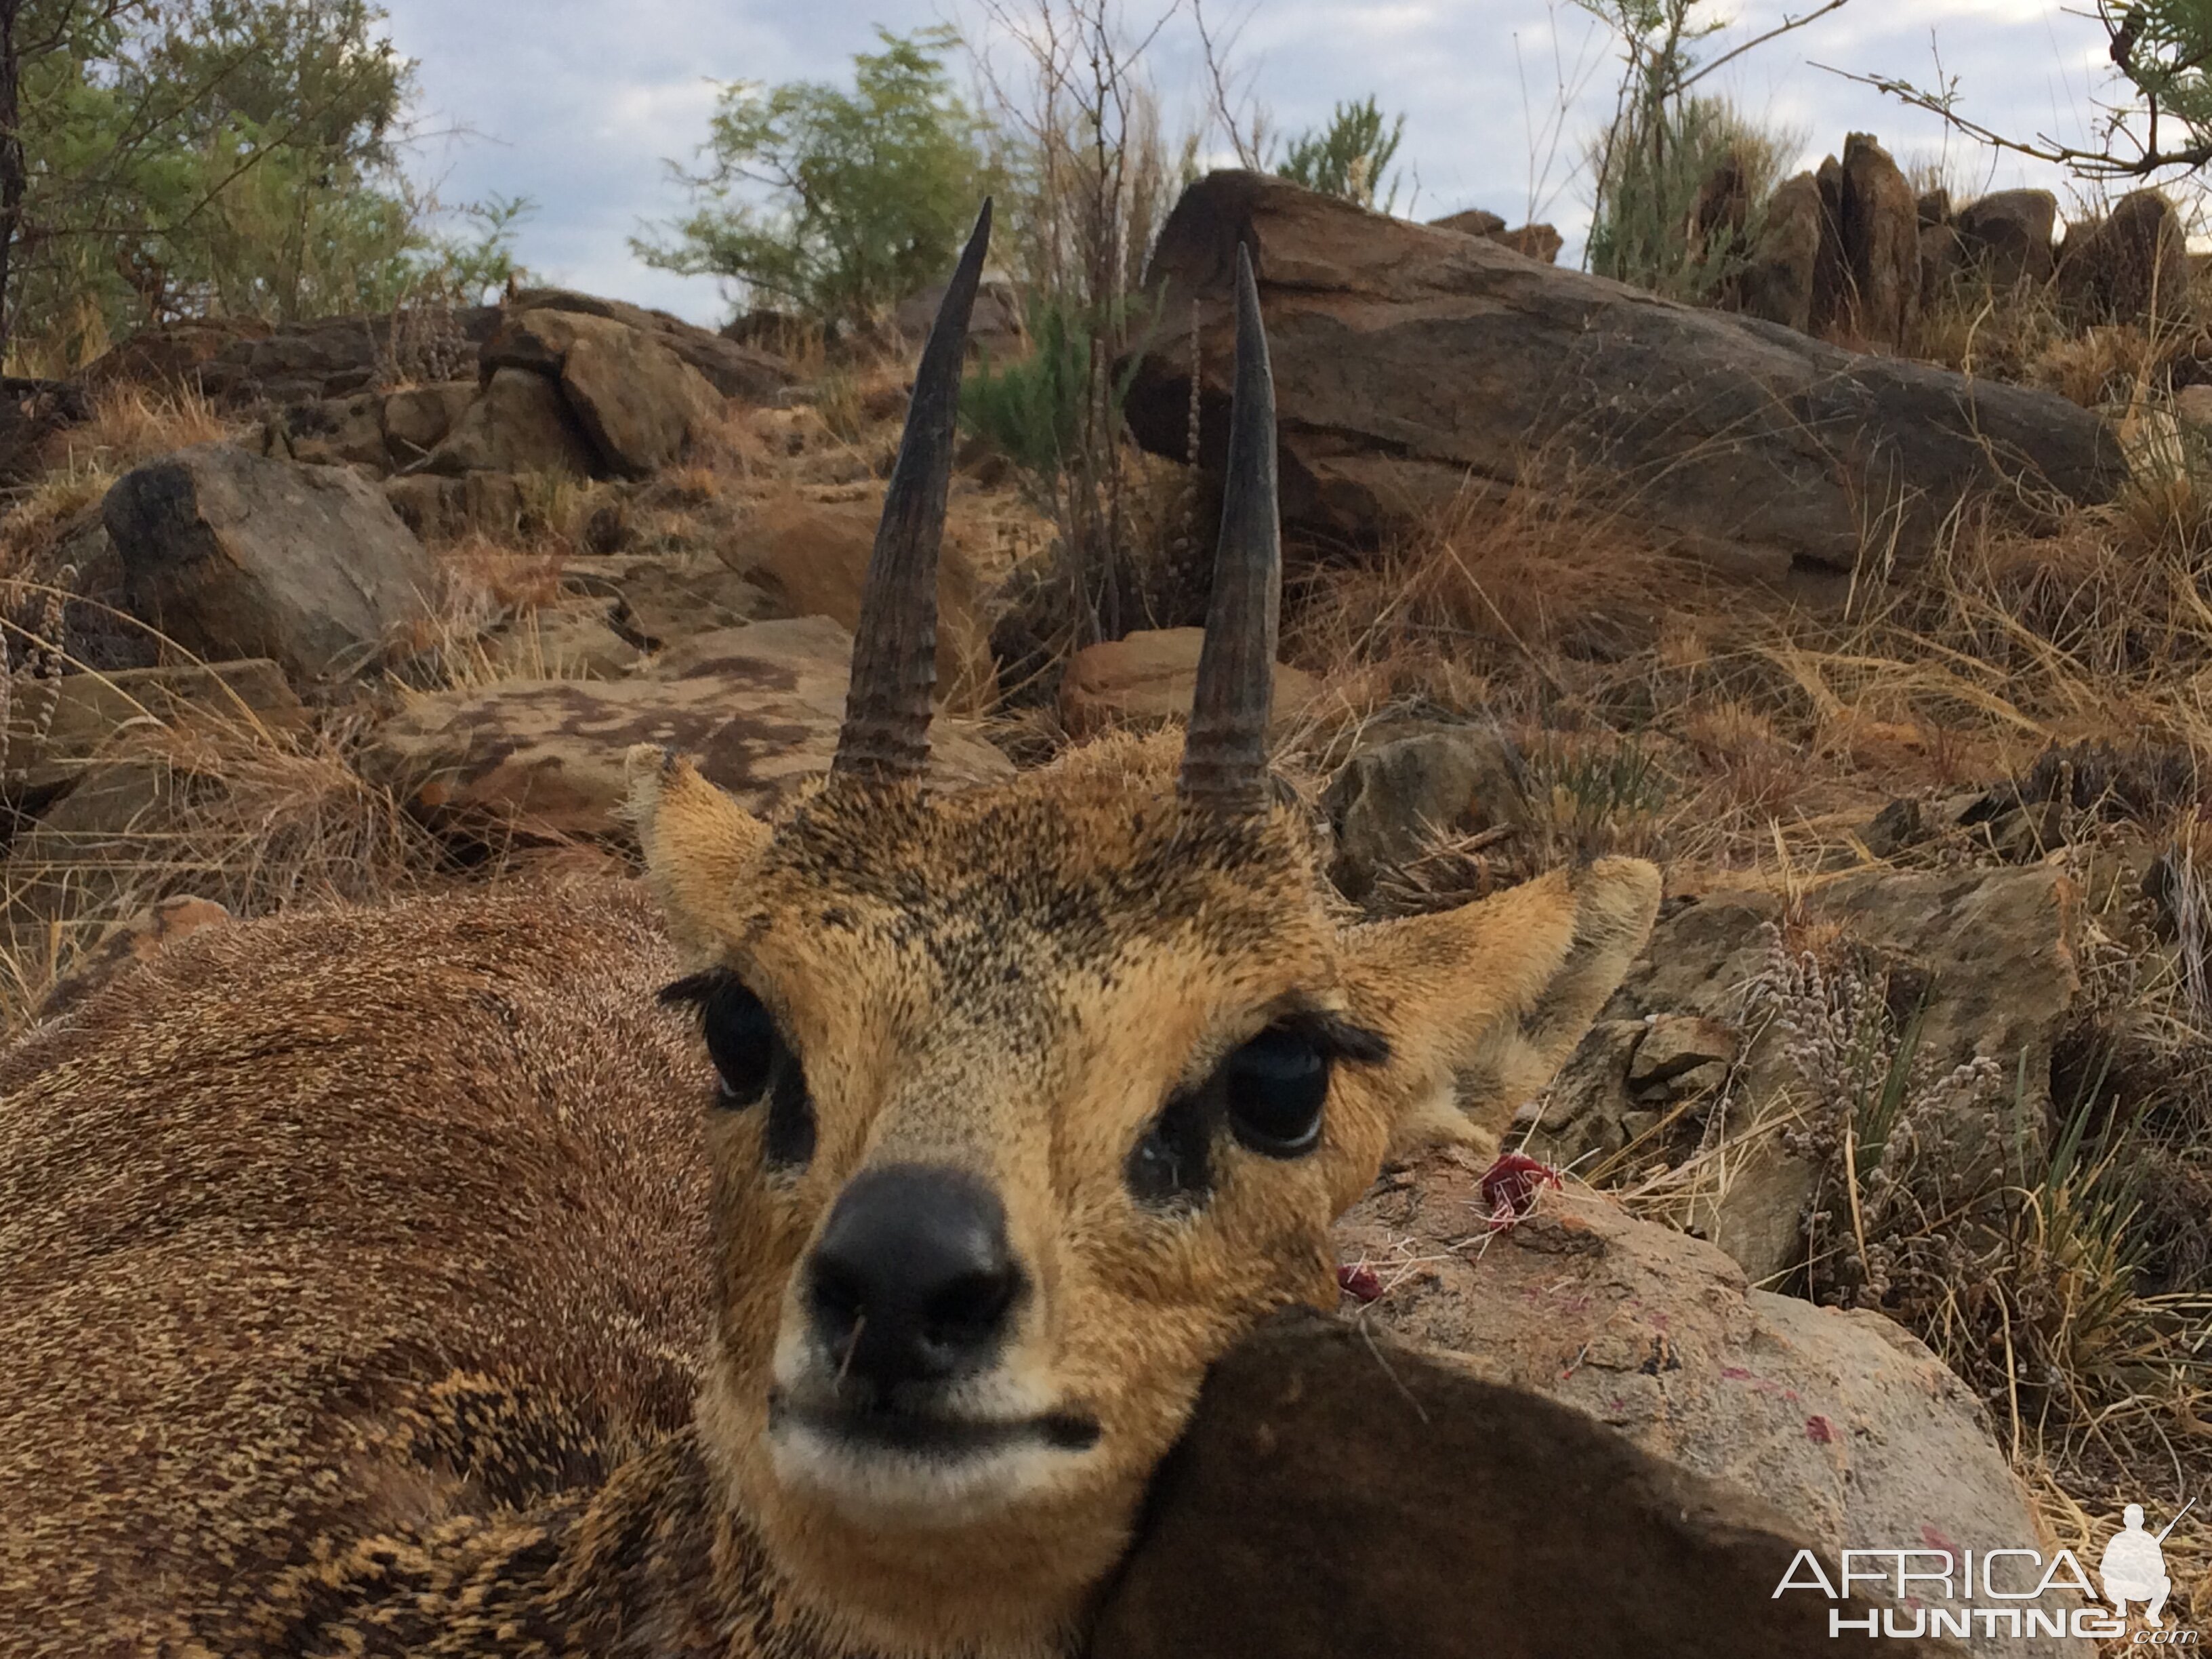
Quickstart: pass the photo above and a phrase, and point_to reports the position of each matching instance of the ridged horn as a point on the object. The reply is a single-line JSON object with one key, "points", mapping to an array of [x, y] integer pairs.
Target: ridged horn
{"points": [[1224, 758], [886, 737]]}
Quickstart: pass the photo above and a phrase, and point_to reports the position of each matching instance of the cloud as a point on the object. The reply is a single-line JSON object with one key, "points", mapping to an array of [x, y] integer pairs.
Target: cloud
{"points": [[579, 105]]}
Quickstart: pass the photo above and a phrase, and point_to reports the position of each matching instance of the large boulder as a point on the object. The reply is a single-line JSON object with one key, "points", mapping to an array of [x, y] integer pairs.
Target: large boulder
{"points": [[1842, 1421], [1879, 223], [2007, 234], [1147, 679], [640, 404], [759, 707], [1339, 1493], [1407, 358], [234, 555]]}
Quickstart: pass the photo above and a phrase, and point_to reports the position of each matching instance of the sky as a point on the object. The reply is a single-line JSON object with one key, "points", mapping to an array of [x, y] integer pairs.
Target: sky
{"points": [[579, 105]]}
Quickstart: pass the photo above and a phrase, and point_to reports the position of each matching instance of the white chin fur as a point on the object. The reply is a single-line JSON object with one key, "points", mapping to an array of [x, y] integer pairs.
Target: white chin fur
{"points": [[925, 1489]]}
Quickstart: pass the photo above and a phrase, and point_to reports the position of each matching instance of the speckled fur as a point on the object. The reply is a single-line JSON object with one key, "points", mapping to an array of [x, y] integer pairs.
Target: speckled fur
{"points": [[373, 1283]]}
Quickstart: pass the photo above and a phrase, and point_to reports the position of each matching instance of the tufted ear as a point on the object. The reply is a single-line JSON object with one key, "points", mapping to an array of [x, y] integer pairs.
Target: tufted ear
{"points": [[1482, 1004], [699, 844]]}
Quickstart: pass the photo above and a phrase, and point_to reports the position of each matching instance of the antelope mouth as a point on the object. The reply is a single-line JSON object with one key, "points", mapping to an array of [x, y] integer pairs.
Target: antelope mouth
{"points": [[927, 1434]]}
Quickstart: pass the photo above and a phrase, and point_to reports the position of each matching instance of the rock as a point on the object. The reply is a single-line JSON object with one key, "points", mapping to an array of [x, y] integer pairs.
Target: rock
{"points": [[83, 712], [760, 707], [1843, 1421], [1777, 282], [243, 363], [337, 432], [1471, 221], [1147, 678], [1539, 242], [811, 556], [1880, 226], [2130, 266], [1676, 1044], [1338, 1493], [519, 423], [732, 369], [2007, 235], [2192, 407], [438, 507], [231, 556], [1388, 803], [417, 418], [551, 644], [995, 329], [641, 404], [1993, 950], [139, 938], [1933, 207], [661, 598], [1406, 358]]}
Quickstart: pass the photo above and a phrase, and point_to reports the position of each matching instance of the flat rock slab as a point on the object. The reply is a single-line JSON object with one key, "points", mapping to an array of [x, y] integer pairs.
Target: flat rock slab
{"points": [[1843, 1422], [1338, 1494], [758, 707], [1408, 359]]}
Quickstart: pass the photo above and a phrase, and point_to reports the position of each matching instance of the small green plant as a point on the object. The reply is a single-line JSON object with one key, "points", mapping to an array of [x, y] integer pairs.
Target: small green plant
{"points": [[870, 191], [1349, 156], [1034, 410]]}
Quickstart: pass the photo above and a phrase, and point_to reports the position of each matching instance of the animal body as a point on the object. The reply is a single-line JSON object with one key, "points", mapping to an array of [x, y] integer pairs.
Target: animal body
{"points": [[416, 1281]]}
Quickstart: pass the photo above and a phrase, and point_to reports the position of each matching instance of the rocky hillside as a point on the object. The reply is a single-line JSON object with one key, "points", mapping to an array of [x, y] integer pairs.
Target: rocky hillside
{"points": [[1896, 667]]}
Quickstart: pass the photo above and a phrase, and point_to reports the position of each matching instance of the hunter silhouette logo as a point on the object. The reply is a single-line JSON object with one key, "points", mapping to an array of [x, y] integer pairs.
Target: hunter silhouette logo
{"points": [[2133, 1565]]}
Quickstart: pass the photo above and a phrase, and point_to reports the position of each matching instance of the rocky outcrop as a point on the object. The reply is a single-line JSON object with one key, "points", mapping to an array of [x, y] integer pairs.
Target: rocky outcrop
{"points": [[1407, 358], [1842, 1421], [234, 555], [1147, 678], [246, 364], [640, 405], [759, 706], [2132, 264], [1338, 1493], [1985, 956]]}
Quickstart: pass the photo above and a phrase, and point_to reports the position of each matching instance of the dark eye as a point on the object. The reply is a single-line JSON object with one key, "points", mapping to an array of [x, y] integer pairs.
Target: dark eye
{"points": [[1275, 1087], [1169, 1164], [741, 1040]]}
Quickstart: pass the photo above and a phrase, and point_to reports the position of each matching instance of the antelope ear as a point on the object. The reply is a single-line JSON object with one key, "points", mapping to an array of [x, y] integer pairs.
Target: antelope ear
{"points": [[1482, 1004], [698, 843]]}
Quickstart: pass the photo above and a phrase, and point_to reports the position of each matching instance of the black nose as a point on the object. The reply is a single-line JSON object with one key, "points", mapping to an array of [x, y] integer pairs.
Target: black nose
{"points": [[912, 1280]]}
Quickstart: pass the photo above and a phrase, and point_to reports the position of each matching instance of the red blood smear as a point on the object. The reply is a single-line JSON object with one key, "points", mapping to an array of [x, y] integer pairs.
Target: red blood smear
{"points": [[1510, 1185], [1360, 1282], [1819, 1430]]}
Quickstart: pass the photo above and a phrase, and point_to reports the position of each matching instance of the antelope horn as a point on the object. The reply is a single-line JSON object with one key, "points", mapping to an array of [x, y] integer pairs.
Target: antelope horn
{"points": [[886, 737], [1224, 758]]}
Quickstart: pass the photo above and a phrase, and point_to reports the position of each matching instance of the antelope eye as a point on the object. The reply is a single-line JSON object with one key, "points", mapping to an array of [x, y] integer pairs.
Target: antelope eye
{"points": [[741, 1040], [1276, 1086]]}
